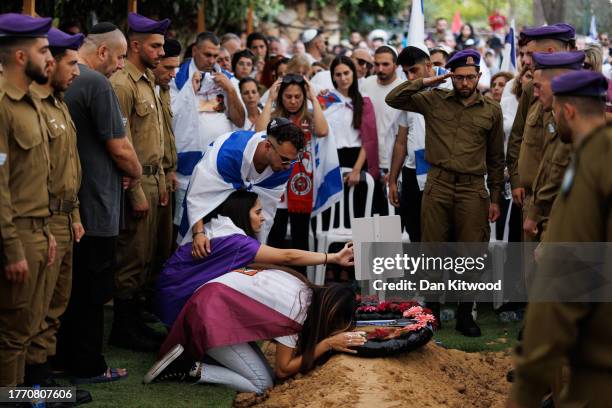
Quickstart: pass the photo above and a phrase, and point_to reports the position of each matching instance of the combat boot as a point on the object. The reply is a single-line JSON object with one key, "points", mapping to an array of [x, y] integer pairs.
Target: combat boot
{"points": [[465, 321], [126, 332]]}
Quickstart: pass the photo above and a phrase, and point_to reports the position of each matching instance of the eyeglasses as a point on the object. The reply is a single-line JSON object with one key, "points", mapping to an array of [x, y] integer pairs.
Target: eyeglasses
{"points": [[362, 62], [461, 78], [293, 79], [285, 161]]}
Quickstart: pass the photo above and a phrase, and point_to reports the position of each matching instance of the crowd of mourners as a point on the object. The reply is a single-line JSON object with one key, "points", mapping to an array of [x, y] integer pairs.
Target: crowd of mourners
{"points": [[180, 180]]}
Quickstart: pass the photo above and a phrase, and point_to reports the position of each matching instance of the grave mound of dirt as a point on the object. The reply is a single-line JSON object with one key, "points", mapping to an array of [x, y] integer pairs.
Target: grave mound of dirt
{"points": [[428, 377]]}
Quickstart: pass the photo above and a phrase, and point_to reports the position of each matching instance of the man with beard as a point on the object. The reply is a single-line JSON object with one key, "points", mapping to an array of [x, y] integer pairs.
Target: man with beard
{"points": [[555, 154], [106, 154], [526, 140], [377, 87], [164, 72], [464, 142], [135, 89], [578, 333], [65, 222], [27, 247]]}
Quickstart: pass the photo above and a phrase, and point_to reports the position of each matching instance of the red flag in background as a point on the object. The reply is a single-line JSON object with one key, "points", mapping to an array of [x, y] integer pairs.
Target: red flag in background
{"points": [[456, 25]]}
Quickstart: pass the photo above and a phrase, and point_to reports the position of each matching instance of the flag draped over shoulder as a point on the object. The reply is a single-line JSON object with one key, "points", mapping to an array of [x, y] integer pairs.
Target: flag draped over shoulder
{"points": [[226, 167], [327, 180], [237, 308]]}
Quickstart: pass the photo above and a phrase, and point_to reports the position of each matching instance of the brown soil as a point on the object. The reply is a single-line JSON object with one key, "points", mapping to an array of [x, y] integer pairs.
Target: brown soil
{"points": [[429, 377]]}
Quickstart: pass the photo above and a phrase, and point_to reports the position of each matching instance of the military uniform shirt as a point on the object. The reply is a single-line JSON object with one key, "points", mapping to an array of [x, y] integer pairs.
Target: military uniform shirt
{"points": [[555, 158], [24, 165], [582, 212], [65, 175], [458, 138], [516, 135], [169, 159], [136, 93], [532, 146]]}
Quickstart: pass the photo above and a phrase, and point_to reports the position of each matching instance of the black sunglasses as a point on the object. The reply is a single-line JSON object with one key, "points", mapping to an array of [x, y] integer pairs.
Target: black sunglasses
{"points": [[293, 79], [362, 62]]}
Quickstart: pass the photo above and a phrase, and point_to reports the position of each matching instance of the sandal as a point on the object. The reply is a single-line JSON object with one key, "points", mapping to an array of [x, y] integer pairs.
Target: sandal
{"points": [[111, 374]]}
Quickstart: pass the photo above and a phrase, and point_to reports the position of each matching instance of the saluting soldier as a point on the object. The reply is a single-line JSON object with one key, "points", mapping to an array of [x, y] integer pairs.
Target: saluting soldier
{"points": [[164, 72], [556, 154], [579, 333], [463, 143], [64, 182], [28, 247], [135, 89], [526, 141]]}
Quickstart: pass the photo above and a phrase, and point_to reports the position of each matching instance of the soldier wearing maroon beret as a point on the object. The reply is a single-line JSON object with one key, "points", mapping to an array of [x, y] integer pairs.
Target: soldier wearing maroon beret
{"points": [[27, 247], [526, 141], [135, 89], [577, 333], [65, 221], [555, 154], [464, 139]]}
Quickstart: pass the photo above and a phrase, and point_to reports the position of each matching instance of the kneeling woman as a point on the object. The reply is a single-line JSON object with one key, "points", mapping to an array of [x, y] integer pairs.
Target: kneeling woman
{"points": [[226, 315]]}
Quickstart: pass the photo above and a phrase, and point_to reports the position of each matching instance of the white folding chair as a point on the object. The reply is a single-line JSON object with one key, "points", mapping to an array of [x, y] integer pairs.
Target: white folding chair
{"points": [[342, 233], [392, 211]]}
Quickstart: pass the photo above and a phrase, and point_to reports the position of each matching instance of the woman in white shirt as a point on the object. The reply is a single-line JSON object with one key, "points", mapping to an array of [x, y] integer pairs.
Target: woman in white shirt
{"points": [[351, 118]]}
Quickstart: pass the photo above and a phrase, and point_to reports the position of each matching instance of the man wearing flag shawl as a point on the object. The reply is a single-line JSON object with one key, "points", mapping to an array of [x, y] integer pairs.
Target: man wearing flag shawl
{"points": [[259, 162]]}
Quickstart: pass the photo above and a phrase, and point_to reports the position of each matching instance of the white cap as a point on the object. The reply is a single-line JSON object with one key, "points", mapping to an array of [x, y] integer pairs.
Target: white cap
{"points": [[309, 35], [378, 33]]}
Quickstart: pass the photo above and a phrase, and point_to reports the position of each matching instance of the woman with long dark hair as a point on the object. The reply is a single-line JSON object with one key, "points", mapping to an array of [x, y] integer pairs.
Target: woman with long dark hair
{"points": [[352, 119], [466, 33], [231, 229], [289, 98], [226, 316]]}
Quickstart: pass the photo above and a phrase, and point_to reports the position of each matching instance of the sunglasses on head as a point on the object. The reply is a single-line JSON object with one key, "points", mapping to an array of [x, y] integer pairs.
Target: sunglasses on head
{"points": [[293, 79]]}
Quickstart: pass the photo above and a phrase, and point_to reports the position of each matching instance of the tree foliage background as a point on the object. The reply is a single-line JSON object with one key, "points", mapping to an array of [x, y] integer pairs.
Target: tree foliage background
{"points": [[362, 15]]}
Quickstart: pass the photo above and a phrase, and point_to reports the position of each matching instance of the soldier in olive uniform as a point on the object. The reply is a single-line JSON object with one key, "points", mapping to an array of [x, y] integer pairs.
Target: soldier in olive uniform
{"points": [[27, 246], [64, 182], [164, 72], [576, 332], [555, 154], [463, 143], [135, 89], [526, 141]]}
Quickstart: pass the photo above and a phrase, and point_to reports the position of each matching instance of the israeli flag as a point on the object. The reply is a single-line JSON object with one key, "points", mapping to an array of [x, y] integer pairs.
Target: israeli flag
{"points": [[226, 167], [509, 54], [327, 179], [593, 28], [416, 30]]}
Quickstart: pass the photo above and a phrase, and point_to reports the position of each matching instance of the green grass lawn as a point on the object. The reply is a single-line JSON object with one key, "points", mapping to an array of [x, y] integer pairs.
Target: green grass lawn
{"points": [[131, 392]]}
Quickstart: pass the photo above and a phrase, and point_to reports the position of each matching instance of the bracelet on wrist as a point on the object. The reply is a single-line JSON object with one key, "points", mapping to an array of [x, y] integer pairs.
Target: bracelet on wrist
{"points": [[196, 233]]}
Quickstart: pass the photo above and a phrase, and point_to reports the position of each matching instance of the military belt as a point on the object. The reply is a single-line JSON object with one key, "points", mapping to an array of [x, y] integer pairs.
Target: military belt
{"points": [[453, 177], [57, 205], [31, 222], [150, 169]]}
